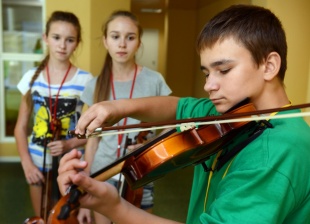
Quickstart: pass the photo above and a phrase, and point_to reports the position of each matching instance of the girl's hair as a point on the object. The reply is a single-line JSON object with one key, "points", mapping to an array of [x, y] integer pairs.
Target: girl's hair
{"points": [[102, 89], [55, 17], [255, 27]]}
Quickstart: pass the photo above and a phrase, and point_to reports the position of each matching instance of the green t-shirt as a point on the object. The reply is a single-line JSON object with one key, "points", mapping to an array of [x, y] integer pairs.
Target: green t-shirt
{"points": [[267, 182]]}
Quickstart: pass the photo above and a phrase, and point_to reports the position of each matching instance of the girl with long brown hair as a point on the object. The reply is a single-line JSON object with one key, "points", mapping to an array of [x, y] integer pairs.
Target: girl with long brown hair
{"points": [[121, 77], [51, 97]]}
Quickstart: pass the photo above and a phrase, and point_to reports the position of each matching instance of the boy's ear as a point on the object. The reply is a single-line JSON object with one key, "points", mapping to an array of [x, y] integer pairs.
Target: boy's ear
{"points": [[272, 65]]}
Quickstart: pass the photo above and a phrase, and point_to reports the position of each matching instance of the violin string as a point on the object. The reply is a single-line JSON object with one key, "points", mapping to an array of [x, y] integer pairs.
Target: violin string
{"points": [[99, 133]]}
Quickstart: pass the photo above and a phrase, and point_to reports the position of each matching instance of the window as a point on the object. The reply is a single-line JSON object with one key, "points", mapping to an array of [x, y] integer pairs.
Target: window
{"points": [[20, 48]]}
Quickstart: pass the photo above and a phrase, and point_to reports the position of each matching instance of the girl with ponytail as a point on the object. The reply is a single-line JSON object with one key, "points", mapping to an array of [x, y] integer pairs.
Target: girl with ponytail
{"points": [[121, 77], [51, 97]]}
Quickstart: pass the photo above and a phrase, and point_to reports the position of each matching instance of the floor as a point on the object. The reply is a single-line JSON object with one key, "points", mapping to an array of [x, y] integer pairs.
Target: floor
{"points": [[15, 201], [171, 194]]}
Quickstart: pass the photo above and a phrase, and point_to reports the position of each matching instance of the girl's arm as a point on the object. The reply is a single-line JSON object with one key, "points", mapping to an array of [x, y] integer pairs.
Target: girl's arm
{"points": [[32, 173], [90, 150], [63, 146]]}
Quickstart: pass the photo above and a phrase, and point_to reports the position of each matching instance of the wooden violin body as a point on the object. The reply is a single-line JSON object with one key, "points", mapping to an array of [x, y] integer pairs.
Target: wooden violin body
{"points": [[182, 149]]}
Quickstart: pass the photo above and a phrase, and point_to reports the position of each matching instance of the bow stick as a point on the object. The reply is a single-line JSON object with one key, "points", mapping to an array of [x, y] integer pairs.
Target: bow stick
{"points": [[184, 124]]}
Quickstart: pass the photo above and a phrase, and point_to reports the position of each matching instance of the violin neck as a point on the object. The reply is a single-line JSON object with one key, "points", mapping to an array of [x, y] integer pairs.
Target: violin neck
{"points": [[116, 169], [50, 193], [111, 170]]}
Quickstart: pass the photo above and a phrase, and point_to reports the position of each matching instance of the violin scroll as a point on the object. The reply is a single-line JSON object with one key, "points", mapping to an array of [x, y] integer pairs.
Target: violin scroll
{"points": [[66, 209], [34, 220]]}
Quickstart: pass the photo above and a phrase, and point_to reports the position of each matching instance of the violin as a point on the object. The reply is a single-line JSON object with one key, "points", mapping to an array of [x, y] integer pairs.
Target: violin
{"points": [[50, 192], [170, 151], [181, 149]]}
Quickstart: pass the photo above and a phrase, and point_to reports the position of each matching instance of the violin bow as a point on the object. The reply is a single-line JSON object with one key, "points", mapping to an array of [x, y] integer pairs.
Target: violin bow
{"points": [[190, 122]]}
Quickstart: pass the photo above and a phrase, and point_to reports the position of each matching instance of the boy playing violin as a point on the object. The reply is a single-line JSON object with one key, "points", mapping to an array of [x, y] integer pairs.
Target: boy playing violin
{"points": [[243, 55]]}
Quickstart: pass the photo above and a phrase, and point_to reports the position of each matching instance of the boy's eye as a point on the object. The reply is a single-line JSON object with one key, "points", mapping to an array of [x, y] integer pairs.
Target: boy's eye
{"points": [[225, 71], [206, 74], [114, 36]]}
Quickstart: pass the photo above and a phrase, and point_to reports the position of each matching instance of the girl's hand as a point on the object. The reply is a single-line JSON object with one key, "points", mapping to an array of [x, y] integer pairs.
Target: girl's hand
{"points": [[57, 148], [131, 148], [33, 175], [84, 216]]}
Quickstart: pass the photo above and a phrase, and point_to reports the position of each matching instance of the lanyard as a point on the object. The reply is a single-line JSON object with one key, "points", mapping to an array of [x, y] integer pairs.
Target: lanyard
{"points": [[53, 113], [120, 136]]}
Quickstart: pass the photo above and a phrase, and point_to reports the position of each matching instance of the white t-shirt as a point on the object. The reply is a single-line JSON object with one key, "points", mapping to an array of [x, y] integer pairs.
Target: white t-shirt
{"points": [[68, 109]]}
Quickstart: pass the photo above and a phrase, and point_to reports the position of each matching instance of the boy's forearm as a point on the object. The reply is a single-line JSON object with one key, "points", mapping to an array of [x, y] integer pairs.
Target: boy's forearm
{"points": [[147, 109], [150, 109]]}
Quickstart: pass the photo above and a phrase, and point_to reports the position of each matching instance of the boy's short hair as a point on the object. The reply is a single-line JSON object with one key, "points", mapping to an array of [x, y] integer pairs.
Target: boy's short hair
{"points": [[256, 28]]}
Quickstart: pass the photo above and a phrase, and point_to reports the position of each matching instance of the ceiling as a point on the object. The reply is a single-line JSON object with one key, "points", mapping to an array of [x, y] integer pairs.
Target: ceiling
{"points": [[137, 5]]}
